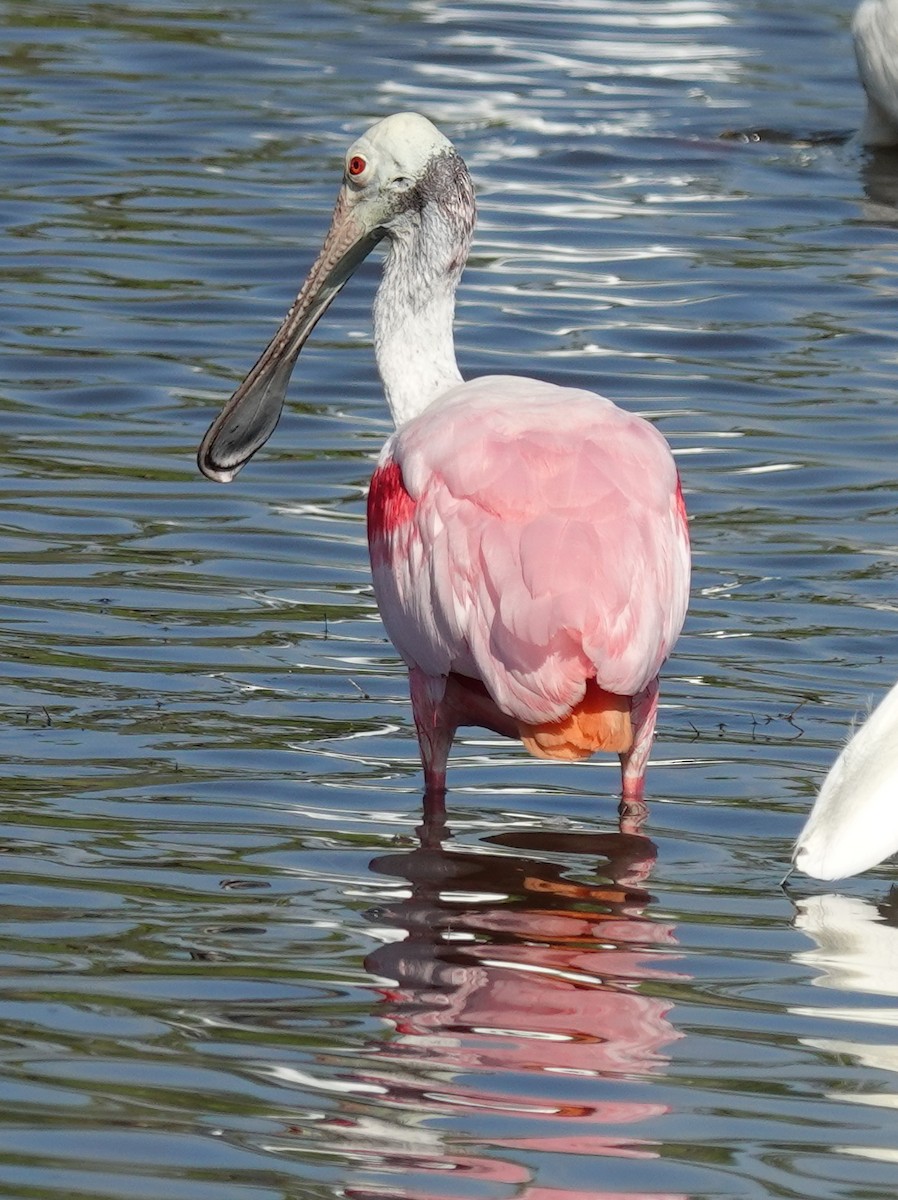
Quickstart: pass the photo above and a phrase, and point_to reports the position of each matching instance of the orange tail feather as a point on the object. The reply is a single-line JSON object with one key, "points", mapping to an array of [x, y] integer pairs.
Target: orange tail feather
{"points": [[601, 721]]}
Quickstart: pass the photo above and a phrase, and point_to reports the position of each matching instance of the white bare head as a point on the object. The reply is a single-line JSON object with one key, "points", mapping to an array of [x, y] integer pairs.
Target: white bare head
{"points": [[396, 151], [402, 181]]}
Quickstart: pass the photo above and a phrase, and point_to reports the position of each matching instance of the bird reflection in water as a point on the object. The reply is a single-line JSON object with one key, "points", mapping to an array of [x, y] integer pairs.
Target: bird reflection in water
{"points": [[879, 175], [524, 1015]]}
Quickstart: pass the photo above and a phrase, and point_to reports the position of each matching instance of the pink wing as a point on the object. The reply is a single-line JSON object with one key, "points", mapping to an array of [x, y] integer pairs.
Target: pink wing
{"points": [[530, 536]]}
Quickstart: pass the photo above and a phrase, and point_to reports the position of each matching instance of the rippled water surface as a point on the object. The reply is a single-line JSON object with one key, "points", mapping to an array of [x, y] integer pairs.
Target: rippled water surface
{"points": [[228, 967]]}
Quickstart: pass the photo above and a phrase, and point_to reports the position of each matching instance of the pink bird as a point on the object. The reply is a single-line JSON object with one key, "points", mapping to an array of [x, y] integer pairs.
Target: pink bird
{"points": [[529, 542]]}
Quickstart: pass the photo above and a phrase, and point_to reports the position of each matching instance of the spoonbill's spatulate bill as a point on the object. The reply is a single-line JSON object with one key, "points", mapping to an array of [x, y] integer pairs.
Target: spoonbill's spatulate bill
{"points": [[528, 542], [854, 822], [875, 31]]}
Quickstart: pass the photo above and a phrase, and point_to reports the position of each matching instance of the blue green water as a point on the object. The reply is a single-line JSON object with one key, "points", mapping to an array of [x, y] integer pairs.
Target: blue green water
{"points": [[228, 969]]}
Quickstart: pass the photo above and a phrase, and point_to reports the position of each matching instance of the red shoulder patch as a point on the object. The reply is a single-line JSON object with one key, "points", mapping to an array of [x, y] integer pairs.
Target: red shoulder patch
{"points": [[681, 508], [389, 504]]}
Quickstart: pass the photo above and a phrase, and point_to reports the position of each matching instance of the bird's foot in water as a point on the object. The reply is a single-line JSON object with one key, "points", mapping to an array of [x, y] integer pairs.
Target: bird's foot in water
{"points": [[433, 829], [633, 813]]}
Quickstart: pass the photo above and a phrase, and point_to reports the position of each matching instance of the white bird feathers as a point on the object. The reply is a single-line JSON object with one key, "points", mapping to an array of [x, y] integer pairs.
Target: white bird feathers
{"points": [[854, 822], [875, 32]]}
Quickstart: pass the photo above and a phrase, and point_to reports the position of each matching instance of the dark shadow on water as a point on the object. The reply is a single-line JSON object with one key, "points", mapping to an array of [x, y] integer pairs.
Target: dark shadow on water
{"points": [[630, 857], [788, 137], [888, 907], [523, 1006], [878, 172], [879, 176]]}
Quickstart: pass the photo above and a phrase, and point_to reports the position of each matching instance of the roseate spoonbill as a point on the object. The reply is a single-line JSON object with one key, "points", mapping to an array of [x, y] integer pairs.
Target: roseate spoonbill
{"points": [[528, 542], [875, 31], [854, 822]]}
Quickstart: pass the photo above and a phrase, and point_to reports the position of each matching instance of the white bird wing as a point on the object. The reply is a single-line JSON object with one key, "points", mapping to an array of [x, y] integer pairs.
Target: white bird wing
{"points": [[875, 32], [854, 822]]}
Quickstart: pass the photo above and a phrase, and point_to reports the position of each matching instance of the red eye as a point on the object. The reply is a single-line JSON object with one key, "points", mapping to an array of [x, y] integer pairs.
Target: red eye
{"points": [[357, 165]]}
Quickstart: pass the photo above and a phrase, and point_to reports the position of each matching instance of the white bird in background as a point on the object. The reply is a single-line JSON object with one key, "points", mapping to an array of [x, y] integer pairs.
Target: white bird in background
{"points": [[875, 31], [854, 822]]}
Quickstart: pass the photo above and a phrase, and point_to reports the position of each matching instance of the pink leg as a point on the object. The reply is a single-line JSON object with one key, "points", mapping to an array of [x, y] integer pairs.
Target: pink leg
{"points": [[633, 764], [436, 728], [633, 810], [440, 704]]}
